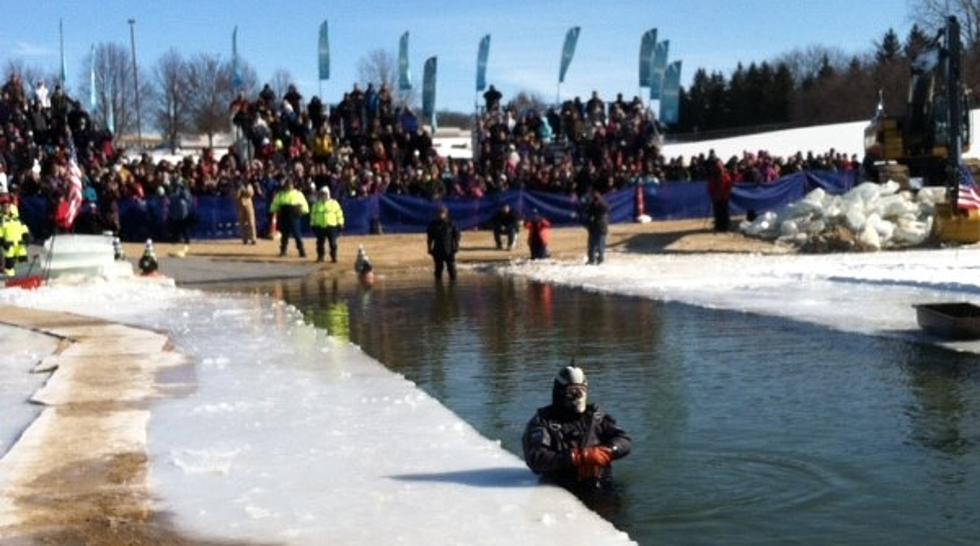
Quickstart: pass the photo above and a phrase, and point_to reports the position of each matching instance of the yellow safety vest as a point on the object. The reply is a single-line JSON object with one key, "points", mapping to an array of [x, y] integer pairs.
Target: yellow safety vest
{"points": [[291, 198], [327, 214], [14, 233]]}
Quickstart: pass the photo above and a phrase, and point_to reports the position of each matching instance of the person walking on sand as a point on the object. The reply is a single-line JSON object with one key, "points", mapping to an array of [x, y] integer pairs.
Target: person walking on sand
{"points": [[327, 221], [443, 243], [290, 207]]}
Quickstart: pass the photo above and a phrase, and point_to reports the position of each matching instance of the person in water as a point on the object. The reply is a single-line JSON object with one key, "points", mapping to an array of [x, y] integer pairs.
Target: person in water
{"points": [[572, 442]]}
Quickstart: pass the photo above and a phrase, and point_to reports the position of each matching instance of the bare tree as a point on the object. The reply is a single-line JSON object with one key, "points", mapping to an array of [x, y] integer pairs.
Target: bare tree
{"points": [[528, 100], [281, 79], [210, 89], [807, 63], [170, 110], [932, 15], [114, 87], [379, 67], [29, 74]]}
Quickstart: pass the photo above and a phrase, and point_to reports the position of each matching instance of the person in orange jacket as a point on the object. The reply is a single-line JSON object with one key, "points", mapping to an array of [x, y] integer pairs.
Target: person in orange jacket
{"points": [[538, 235]]}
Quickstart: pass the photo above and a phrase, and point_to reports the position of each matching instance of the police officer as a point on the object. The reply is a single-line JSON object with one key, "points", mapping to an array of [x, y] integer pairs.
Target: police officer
{"points": [[571, 442], [290, 206]]}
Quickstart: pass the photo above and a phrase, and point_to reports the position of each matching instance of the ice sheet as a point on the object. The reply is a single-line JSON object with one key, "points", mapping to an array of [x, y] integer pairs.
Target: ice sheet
{"points": [[865, 293], [20, 350], [294, 437]]}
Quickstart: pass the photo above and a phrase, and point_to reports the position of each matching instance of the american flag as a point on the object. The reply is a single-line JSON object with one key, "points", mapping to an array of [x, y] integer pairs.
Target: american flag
{"points": [[74, 192], [968, 198]]}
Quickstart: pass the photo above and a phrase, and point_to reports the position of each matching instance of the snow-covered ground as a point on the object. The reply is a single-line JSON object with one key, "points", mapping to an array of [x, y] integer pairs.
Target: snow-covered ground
{"points": [[294, 437], [863, 293], [844, 137]]}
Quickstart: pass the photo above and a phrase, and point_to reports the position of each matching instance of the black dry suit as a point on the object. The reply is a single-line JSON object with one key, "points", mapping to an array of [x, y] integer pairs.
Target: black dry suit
{"points": [[555, 431]]}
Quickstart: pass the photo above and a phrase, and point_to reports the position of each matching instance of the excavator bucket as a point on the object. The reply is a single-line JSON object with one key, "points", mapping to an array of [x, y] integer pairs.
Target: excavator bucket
{"points": [[962, 227]]}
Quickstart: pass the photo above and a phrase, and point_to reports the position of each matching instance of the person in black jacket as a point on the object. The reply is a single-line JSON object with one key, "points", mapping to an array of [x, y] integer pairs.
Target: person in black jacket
{"points": [[597, 223], [505, 223], [443, 243], [571, 442]]}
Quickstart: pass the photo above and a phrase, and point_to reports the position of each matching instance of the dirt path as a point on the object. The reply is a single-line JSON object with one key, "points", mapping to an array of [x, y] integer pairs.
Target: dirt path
{"points": [[407, 251], [78, 474]]}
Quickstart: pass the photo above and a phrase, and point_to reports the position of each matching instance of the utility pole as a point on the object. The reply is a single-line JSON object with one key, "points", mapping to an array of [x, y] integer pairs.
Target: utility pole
{"points": [[136, 82]]}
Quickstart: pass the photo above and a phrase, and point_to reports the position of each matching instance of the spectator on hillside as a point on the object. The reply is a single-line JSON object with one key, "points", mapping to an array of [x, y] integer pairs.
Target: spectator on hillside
{"points": [[492, 99]]}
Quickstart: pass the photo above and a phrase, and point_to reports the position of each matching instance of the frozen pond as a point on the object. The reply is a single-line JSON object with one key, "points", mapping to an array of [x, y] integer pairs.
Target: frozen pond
{"points": [[746, 428]]}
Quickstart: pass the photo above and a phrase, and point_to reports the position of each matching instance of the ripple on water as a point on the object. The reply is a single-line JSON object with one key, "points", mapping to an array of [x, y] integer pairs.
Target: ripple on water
{"points": [[719, 484]]}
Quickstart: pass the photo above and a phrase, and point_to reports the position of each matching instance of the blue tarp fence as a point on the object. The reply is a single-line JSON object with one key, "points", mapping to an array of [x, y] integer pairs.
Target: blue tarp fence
{"points": [[217, 217]]}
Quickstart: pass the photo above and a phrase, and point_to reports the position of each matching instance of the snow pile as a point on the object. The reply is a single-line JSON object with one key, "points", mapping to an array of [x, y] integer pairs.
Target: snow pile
{"points": [[869, 217]]}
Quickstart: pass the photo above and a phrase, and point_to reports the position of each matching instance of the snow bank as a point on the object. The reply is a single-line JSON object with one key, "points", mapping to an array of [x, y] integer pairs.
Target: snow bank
{"points": [[864, 293], [295, 437], [843, 137]]}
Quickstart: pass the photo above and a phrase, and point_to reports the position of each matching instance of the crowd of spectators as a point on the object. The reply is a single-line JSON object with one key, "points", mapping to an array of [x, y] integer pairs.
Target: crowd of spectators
{"points": [[365, 144]]}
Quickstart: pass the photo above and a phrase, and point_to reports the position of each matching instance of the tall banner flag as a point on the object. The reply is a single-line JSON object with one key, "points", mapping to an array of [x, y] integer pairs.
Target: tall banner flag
{"points": [[658, 68], [236, 69], [404, 76], [568, 51], [61, 38], [74, 201], [481, 63], [110, 114], [647, 45], [91, 79], [671, 97], [429, 92], [323, 51]]}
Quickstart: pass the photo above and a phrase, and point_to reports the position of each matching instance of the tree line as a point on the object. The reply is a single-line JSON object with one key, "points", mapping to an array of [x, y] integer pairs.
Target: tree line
{"points": [[819, 84]]}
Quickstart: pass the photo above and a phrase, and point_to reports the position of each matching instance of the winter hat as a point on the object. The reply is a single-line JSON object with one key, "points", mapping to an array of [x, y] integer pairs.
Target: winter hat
{"points": [[325, 191], [570, 376]]}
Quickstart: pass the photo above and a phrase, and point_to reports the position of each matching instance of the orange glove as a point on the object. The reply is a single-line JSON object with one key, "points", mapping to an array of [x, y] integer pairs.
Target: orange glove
{"points": [[598, 456]]}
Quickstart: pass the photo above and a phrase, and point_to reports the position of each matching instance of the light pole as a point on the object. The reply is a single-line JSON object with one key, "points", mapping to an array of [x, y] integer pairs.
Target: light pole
{"points": [[136, 82]]}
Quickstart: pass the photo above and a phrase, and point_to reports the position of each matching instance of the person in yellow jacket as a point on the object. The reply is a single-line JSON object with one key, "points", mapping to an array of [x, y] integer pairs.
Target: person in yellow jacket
{"points": [[290, 206], [323, 144], [13, 239], [327, 221]]}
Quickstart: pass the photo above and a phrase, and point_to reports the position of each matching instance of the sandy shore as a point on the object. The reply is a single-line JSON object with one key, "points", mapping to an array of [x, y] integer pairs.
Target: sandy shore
{"points": [[402, 252]]}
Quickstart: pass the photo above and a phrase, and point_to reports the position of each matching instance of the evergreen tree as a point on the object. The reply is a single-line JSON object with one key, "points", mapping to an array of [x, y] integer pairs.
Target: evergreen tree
{"points": [[915, 43], [888, 49]]}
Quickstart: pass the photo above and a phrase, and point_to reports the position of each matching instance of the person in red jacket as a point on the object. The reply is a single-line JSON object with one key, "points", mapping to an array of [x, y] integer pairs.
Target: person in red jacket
{"points": [[720, 191], [538, 235]]}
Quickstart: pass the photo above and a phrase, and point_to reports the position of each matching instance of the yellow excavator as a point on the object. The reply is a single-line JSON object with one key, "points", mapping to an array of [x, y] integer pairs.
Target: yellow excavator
{"points": [[929, 140]]}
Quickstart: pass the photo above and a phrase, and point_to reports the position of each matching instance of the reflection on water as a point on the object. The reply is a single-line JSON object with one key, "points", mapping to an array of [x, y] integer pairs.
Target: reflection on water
{"points": [[746, 429]]}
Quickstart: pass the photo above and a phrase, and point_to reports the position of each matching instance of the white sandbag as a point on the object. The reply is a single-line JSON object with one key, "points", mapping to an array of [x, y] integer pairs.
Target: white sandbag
{"points": [[814, 227], [867, 192]]}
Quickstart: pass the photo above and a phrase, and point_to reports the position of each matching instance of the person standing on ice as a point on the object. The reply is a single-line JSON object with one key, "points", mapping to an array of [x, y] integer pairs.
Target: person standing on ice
{"points": [[443, 243], [597, 224], [571, 442], [720, 191], [290, 206]]}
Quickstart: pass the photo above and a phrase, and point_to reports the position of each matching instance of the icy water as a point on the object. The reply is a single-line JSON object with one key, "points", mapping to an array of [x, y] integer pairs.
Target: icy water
{"points": [[746, 429]]}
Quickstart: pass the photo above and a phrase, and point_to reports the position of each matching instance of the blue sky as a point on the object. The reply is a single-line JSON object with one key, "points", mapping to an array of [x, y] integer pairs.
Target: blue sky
{"points": [[525, 45]]}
